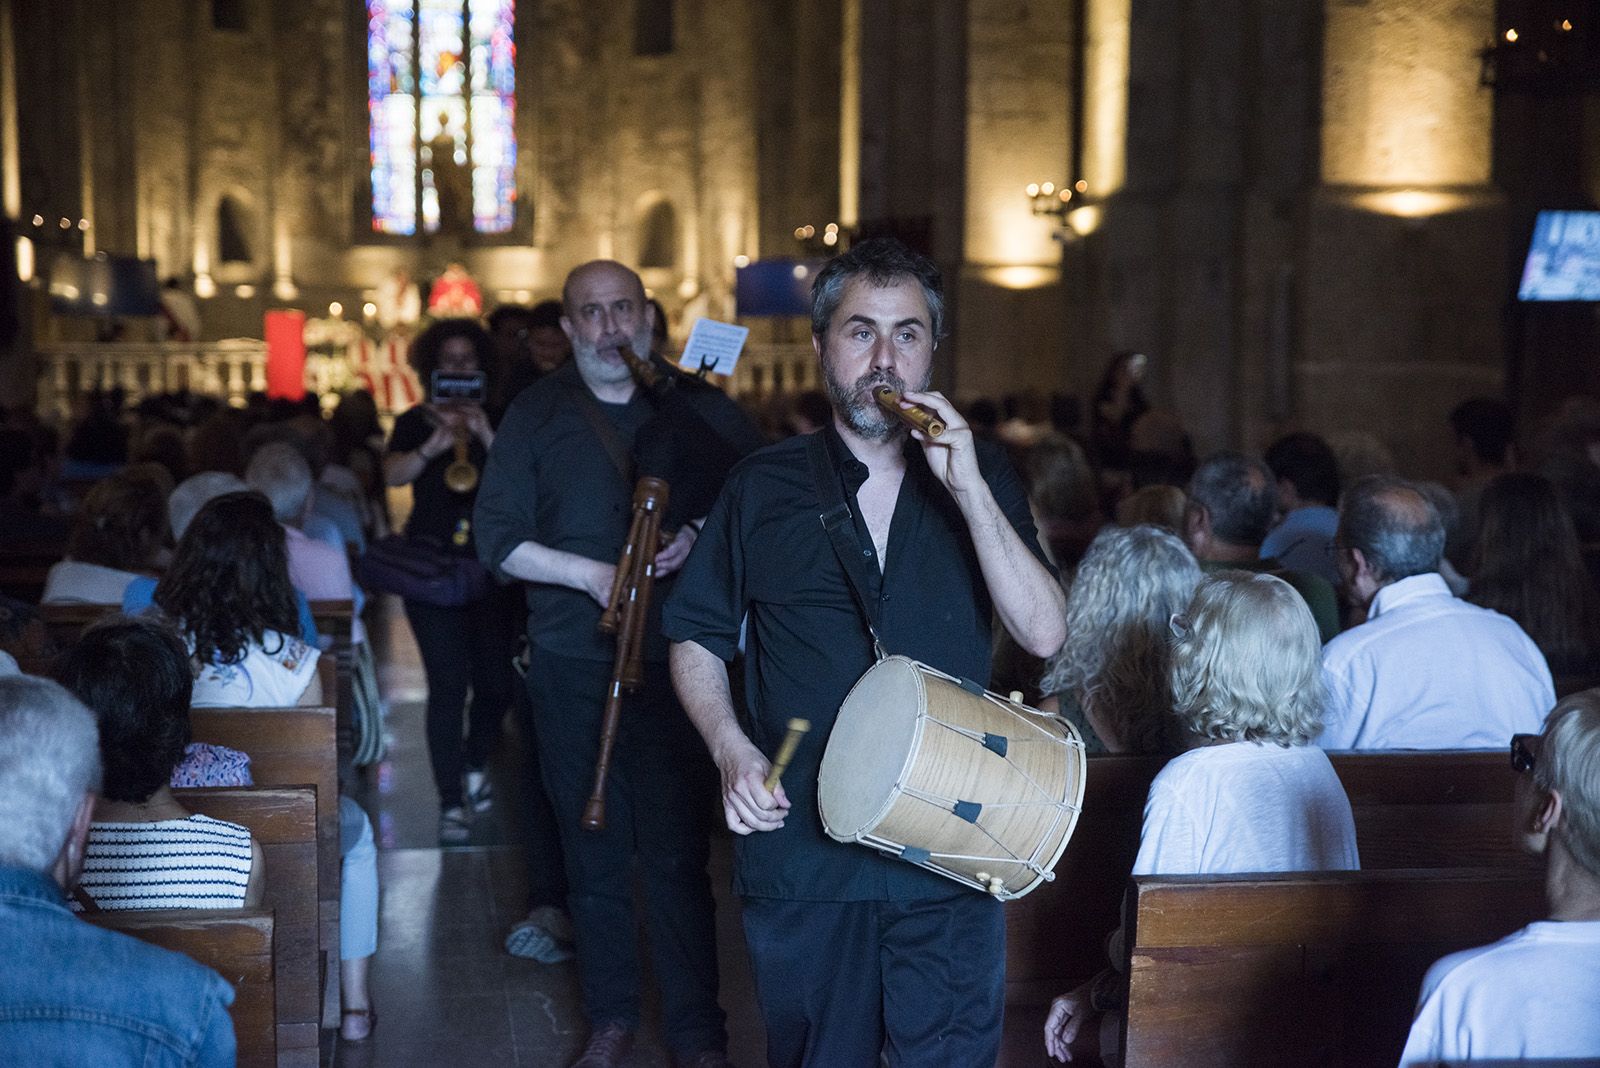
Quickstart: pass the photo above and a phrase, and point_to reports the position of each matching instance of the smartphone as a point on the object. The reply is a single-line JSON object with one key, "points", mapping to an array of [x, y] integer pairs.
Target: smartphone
{"points": [[459, 387], [1136, 365]]}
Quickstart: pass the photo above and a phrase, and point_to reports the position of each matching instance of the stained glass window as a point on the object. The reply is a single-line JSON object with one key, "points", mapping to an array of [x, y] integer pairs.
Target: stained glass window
{"points": [[441, 96]]}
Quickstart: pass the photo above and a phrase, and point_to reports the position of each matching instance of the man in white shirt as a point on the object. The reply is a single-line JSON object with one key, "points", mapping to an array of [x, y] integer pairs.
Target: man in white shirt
{"points": [[1534, 995], [1426, 670]]}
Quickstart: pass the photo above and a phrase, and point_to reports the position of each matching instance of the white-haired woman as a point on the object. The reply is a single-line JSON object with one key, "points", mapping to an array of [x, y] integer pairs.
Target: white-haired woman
{"points": [[1111, 677], [1248, 793]]}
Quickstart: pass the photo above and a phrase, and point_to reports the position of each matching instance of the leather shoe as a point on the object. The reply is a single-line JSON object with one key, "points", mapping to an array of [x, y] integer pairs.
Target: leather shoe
{"points": [[606, 1048]]}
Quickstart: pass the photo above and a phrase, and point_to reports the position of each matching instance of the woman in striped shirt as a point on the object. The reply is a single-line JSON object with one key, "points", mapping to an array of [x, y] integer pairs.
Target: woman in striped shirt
{"points": [[146, 851]]}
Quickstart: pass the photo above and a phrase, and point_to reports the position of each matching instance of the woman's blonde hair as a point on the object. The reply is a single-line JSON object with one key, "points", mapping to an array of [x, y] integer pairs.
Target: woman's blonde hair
{"points": [[1569, 763], [1115, 658], [1247, 662]]}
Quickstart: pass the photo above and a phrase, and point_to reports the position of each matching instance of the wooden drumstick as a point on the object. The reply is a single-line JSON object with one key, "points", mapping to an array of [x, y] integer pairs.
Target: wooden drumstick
{"points": [[791, 742], [916, 416]]}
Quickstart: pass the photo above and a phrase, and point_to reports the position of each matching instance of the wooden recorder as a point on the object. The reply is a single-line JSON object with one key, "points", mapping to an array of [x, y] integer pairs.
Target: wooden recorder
{"points": [[625, 617], [916, 416]]}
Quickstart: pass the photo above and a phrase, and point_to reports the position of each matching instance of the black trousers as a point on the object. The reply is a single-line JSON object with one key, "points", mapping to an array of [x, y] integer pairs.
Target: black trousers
{"points": [[547, 872], [658, 798], [464, 647], [840, 983]]}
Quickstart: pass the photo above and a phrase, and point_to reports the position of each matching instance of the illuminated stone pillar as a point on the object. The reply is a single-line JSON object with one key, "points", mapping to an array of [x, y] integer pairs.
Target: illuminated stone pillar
{"points": [[1018, 131], [1404, 283]]}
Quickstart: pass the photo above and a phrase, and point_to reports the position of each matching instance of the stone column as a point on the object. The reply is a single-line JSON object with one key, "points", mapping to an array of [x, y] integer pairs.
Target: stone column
{"points": [[1018, 120], [1406, 244]]}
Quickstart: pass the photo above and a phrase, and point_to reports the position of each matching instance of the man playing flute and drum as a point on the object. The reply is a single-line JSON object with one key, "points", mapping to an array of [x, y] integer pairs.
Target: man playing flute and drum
{"points": [[856, 953]]}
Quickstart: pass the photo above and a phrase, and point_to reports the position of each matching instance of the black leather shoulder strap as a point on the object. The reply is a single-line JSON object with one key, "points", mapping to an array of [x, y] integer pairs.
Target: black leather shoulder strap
{"points": [[836, 520]]}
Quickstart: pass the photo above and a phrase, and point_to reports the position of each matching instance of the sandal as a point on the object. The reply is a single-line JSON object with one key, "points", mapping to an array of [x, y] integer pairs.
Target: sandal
{"points": [[357, 1024]]}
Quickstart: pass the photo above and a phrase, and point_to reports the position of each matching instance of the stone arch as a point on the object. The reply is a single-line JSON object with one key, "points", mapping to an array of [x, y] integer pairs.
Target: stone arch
{"points": [[236, 229], [657, 233]]}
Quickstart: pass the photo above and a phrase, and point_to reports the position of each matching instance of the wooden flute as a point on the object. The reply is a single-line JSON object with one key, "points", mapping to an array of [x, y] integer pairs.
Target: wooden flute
{"points": [[916, 416]]}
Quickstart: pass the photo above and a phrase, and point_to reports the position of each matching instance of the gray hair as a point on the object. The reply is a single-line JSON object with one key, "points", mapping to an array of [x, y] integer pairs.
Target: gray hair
{"points": [[281, 473], [49, 758], [1247, 662], [1395, 526], [1569, 763], [883, 261], [1239, 494], [1115, 659], [194, 493]]}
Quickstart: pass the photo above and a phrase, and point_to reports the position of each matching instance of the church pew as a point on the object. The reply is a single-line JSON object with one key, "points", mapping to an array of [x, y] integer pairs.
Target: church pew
{"points": [[284, 821], [1315, 970], [67, 621], [336, 621], [238, 945], [1447, 809], [288, 747]]}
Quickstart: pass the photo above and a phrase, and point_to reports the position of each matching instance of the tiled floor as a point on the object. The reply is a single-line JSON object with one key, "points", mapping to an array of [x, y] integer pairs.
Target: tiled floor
{"points": [[445, 991]]}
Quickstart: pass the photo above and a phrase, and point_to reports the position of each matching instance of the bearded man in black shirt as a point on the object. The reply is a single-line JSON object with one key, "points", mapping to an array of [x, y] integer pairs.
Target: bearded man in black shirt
{"points": [[553, 511], [856, 953]]}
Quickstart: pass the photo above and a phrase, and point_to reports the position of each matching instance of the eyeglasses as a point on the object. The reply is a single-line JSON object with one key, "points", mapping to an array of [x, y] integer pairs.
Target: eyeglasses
{"points": [[1523, 755]]}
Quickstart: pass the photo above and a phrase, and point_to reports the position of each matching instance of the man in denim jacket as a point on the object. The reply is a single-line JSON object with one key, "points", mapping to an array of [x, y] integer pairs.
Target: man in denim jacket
{"points": [[71, 993]]}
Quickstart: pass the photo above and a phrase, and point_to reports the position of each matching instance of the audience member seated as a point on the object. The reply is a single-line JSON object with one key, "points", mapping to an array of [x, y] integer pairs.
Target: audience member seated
{"points": [[1485, 446], [116, 535], [24, 516], [1527, 564], [188, 500], [1110, 678], [317, 570], [1532, 997], [194, 493], [1308, 490], [1248, 793], [228, 591], [1158, 506], [72, 993], [146, 851], [1065, 497], [1426, 670], [1231, 502], [1444, 502]]}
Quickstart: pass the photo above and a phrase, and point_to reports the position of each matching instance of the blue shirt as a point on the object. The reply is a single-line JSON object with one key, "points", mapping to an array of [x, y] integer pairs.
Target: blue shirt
{"points": [[140, 595], [1304, 542], [73, 994]]}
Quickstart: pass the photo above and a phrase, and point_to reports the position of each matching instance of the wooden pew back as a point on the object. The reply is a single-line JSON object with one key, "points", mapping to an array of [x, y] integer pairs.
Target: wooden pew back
{"points": [[1317, 970], [1445, 810], [283, 821], [238, 945], [287, 747]]}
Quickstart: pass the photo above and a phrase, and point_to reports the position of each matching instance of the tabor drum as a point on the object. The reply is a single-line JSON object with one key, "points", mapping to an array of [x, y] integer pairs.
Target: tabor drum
{"points": [[941, 773]]}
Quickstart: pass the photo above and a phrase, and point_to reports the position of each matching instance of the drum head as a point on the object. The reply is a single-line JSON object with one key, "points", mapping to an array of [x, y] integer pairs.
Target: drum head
{"points": [[871, 744]]}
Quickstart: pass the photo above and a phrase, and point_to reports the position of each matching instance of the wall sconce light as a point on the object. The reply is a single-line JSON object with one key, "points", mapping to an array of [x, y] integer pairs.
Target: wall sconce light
{"points": [[1048, 199], [1551, 55], [831, 239]]}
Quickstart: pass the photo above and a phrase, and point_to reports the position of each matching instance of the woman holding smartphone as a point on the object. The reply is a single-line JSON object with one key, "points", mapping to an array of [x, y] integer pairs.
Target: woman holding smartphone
{"points": [[466, 646]]}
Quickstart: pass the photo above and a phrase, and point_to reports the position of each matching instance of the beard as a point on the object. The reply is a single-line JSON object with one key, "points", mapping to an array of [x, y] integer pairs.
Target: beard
{"points": [[854, 403], [598, 370]]}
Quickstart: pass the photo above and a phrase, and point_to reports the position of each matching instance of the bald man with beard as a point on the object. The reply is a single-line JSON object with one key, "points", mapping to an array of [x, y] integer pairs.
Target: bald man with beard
{"points": [[553, 512]]}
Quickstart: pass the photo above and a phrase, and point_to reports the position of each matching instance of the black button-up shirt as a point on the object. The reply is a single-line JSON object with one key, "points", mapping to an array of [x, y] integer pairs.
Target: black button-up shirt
{"points": [[764, 552], [550, 480]]}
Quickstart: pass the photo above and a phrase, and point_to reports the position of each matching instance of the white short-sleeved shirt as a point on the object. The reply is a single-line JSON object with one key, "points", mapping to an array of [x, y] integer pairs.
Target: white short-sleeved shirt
{"points": [[1430, 671], [1247, 807], [1533, 994], [75, 582], [272, 674]]}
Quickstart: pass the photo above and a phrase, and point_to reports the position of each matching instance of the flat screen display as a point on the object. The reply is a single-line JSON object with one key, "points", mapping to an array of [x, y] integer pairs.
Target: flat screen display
{"points": [[1564, 258]]}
